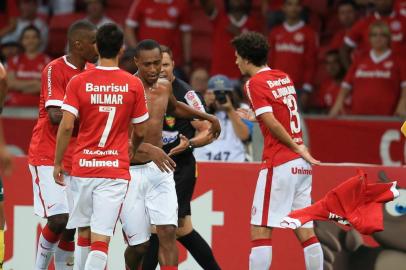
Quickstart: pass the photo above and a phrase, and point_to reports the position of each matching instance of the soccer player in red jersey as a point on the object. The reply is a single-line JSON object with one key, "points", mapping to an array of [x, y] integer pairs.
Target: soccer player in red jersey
{"points": [[50, 199], [376, 81], [107, 100], [294, 49], [358, 37], [284, 182]]}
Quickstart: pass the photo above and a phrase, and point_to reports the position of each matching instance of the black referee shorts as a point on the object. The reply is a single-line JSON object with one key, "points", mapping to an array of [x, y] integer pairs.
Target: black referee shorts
{"points": [[185, 181]]}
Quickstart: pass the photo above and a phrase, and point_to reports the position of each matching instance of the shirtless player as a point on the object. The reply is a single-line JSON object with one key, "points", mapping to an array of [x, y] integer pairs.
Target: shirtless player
{"points": [[151, 197]]}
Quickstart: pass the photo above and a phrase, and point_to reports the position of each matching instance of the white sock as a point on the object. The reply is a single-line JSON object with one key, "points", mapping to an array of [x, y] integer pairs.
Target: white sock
{"points": [[45, 251], [313, 257], [81, 253], [261, 254], [63, 259], [97, 260]]}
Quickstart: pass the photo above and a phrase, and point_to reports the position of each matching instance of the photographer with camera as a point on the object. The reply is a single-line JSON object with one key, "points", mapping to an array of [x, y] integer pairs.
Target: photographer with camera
{"points": [[221, 101]]}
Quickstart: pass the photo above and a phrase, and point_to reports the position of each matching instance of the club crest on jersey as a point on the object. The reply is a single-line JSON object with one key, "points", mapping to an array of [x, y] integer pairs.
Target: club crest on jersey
{"points": [[396, 26], [170, 121], [388, 64], [173, 12]]}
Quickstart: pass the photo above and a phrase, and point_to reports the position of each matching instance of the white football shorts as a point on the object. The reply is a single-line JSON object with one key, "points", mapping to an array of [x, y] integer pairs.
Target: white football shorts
{"points": [[151, 199], [279, 191]]}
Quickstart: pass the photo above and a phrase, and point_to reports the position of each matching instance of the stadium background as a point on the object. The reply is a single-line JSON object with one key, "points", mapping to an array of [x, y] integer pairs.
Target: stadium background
{"points": [[221, 206]]}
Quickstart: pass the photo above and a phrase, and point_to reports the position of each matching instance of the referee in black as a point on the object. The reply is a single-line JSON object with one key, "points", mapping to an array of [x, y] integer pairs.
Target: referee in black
{"points": [[179, 137]]}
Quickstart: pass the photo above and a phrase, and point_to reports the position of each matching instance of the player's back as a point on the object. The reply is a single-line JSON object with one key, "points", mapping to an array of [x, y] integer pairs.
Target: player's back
{"points": [[273, 91], [55, 77], [106, 100]]}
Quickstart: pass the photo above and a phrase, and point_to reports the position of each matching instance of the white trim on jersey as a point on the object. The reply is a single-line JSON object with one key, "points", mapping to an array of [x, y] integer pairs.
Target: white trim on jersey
{"points": [[140, 119], [107, 68], [70, 109], [264, 69], [53, 102], [67, 62], [263, 110]]}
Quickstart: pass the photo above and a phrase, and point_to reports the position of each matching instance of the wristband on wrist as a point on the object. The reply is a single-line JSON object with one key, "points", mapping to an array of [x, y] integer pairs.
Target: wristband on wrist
{"points": [[191, 146]]}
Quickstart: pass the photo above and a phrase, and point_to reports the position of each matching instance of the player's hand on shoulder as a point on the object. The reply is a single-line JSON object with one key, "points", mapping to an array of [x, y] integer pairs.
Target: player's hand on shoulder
{"points": [[305, 154], [246, 114], [181, 147], [58, 175], [161, 159]]}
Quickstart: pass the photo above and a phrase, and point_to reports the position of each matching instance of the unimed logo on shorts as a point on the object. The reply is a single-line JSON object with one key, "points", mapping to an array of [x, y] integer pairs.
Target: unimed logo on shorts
{"points": [[296, 170], [98, 163]]}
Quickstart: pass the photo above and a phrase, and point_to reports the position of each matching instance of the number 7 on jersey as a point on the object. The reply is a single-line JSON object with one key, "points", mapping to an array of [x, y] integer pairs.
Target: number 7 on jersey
{"points": [[112, 111]]}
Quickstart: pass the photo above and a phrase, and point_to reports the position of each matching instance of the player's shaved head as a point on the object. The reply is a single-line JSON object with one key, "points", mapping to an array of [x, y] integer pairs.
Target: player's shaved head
{"points": [[79, 31], [147, 45]]}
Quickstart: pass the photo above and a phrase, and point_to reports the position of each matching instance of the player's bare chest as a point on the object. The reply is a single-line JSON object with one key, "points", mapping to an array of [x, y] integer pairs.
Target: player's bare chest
{"points": [[157, 103]]}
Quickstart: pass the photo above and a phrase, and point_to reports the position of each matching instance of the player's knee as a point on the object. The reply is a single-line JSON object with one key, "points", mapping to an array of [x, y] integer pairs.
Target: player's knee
{"points": [[57, 223], [304, 234], [136, 251], [166, 234]]}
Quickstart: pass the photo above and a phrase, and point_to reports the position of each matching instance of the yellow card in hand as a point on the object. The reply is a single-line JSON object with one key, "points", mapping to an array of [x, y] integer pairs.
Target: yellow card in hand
{"points": [[403, 129]]}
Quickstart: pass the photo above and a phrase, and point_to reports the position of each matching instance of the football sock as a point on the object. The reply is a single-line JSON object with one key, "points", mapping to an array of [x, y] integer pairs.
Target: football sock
{"points": [[97, 258], [64, 255], [46, 248], [313, 254], [261, 254], [81, 252], [200, 250]]}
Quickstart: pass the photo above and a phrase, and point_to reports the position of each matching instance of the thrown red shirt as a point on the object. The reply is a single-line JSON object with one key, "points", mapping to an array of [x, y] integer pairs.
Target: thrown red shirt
{"points": [[106, 100]]}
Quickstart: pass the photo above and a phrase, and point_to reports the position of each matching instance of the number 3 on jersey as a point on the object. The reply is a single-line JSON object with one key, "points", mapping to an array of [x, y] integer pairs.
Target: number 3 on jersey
{"points": [[107, 128], [290, 102]]}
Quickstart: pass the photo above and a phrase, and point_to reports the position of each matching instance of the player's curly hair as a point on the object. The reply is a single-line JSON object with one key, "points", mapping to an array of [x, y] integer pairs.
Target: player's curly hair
{"points": [[253, 47]]}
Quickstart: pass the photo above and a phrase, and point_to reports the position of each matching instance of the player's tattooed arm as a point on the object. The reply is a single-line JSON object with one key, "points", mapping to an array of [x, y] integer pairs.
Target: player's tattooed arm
{"points": [[62, 141], [54, 115]]}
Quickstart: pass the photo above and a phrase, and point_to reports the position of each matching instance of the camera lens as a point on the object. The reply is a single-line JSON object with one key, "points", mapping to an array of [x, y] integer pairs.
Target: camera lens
{"points": [[221, 96]]}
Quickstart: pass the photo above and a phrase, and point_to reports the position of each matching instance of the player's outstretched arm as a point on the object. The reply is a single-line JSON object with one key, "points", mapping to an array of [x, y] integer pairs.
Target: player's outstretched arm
{"points": [[62, 141], [280, 133]]}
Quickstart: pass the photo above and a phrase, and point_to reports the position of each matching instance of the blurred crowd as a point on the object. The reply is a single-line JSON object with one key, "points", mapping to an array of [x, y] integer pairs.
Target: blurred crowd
{"points": [[345, 56]]}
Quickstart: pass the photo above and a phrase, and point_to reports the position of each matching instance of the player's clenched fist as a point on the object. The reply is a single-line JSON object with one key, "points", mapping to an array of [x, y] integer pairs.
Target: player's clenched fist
{"points": [[58, 175]]}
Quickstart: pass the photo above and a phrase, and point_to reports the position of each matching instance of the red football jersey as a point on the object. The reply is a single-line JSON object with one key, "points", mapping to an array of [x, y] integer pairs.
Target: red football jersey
{"points": [[223, 53], [358, 36], [375, 83], [106, 100], [25, 69], [161, 21], [55, 77], [273, 91], [338, 39], [294, 50]]}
